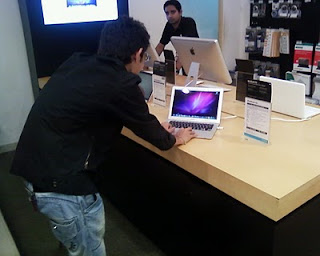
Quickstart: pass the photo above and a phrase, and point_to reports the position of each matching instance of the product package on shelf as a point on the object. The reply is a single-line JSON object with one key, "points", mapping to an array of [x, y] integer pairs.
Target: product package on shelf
{"points": [[316, 91], [251, 40], [258, 9], [301, 78], [302, 60], [272, 43], [316, 60], [284, 41], [286, 9], [261, 34]]}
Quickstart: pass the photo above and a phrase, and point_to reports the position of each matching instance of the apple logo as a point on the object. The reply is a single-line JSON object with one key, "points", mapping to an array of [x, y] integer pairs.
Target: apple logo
{"points": [[192, 51]]}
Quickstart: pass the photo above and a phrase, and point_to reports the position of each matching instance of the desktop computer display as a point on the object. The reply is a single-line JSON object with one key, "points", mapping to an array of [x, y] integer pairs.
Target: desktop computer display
{"points": [[207, 53]]}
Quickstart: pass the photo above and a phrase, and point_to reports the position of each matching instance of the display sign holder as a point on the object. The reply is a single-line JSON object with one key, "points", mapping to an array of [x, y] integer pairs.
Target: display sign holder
{"points": [[258, 111], [159, 83]]}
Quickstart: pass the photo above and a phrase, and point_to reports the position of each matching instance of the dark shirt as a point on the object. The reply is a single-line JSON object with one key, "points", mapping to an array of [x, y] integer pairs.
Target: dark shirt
{"points": [[75, 121], [187, 27]]}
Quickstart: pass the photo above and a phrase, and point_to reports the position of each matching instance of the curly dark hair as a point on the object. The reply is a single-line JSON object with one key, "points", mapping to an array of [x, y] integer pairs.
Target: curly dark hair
{"points": [[175, 3], [122, 38]]}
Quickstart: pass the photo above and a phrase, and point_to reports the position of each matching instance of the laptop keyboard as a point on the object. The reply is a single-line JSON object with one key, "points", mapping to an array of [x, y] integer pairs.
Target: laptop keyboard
{"points": [[194, 126], [311, 111]]}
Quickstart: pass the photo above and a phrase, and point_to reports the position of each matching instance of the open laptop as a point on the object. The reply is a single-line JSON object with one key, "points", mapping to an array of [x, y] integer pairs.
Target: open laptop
{"points": [[196, 107], [146, 85], [288, 98]]}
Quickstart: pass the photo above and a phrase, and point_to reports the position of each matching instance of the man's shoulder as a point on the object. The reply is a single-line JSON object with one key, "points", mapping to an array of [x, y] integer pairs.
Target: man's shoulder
{"points": [[128, 79], [189, 27], [187, 19], [168, 26], [81, 56], [74, 60]]}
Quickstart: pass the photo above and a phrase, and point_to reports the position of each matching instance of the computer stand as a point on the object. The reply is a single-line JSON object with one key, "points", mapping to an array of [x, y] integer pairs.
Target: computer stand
{"points": [[193, 74]]}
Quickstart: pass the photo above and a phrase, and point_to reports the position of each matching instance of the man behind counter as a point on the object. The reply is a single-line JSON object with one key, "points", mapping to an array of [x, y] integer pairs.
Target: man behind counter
{"points": [[177, 25]]}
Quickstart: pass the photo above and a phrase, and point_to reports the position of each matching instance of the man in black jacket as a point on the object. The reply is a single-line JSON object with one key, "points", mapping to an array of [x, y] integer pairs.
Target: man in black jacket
{"points": [[74, 123]]}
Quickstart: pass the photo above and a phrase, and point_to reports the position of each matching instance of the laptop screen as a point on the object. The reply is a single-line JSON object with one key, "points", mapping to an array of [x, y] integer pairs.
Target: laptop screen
{"points": [[146, 84], [196, 104]]}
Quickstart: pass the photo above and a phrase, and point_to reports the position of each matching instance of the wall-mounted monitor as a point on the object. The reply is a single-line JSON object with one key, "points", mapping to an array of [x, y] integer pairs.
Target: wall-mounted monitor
{"points": [[78, 11]]}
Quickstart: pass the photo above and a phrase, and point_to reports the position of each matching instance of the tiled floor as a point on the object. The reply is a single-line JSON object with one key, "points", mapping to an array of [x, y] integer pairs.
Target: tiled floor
{"points": [[33, 237]]}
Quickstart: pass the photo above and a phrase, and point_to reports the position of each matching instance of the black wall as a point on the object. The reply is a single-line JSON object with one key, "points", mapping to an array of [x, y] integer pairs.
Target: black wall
{"points": [[52, 44]]}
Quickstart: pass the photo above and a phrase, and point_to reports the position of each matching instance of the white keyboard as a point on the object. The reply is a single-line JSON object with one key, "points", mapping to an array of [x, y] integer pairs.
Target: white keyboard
{"points": [[311, 111]]}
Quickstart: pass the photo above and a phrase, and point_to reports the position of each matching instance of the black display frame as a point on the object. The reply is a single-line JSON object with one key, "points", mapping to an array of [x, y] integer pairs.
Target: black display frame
{"points": [[53, 44]]}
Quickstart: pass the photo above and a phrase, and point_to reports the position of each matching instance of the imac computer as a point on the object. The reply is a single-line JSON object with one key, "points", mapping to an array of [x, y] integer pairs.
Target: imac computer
{"points": [[207, 53], [153, 56]]}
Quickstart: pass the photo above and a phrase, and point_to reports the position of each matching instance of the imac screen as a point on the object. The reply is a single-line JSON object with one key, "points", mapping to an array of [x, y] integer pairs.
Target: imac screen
{"points": [[77, 11]]}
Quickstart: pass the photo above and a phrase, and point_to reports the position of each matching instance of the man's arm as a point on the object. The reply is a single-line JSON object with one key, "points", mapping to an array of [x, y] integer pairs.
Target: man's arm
{"points": [[129, 106], [165, 39], [192, 29], [159, 48]]}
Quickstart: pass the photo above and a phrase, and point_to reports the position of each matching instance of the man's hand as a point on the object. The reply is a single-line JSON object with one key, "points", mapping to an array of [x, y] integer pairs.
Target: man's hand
{"points": [[159, 48], [184, 135], [169, 128]]}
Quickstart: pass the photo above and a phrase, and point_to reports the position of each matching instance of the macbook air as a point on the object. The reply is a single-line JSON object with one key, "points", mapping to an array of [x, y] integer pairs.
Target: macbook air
{"points": [[288, 98], [196, 107]]}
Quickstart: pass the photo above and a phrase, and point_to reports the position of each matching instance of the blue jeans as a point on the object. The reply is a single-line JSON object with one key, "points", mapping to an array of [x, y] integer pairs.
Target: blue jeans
{"points": [[78, 222]]}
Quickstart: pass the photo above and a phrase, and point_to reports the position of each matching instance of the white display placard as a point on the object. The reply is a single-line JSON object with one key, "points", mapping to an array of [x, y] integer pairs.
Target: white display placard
{"points": [[159, 89], [257, 119]]}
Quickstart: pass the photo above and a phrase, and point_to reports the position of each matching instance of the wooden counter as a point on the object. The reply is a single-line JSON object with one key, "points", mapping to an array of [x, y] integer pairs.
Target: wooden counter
{"points": [[273, 179]]}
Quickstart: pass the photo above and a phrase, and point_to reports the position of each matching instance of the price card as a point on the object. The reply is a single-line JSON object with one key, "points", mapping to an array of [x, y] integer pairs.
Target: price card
{"points": [[159, 83], [258, 111]]}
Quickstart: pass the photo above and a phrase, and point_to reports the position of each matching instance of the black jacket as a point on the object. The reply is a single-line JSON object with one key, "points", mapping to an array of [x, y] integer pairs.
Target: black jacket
{"points": [[77, 118]]}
